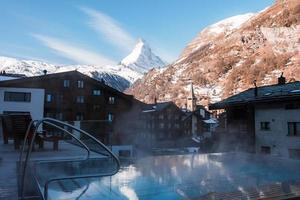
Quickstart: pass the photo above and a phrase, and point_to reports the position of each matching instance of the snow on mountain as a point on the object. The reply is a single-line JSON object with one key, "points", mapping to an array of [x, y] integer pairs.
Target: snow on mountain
{"points": [[226, 57], [113, 76], [142, 59], [229, 24], [121, 76], [26, 67], [215, 31]]}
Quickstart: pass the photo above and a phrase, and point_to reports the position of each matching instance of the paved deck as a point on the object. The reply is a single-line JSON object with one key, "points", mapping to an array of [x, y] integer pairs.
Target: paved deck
{"points": [[9, 158]]}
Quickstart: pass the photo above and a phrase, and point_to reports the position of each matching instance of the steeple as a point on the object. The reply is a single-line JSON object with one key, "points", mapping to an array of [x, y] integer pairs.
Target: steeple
{"points": [[191, 99]]}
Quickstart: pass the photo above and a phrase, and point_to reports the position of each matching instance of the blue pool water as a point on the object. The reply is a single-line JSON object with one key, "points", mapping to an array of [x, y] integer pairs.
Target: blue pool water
{"points": [[180, 177]]}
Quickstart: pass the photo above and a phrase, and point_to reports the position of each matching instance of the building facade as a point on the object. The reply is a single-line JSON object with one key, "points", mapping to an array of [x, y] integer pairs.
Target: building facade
{"points": [[264, 119], [162, 122], [277, 128], [72, 96]]}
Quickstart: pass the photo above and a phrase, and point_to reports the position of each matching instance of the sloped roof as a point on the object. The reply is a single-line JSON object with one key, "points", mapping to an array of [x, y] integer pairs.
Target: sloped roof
{"points": [[288, 91], [156, 107]]}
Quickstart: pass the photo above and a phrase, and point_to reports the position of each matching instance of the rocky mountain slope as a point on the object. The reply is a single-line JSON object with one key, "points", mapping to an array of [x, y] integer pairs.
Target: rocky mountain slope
{"points": [[120, 76], [227, 57]]}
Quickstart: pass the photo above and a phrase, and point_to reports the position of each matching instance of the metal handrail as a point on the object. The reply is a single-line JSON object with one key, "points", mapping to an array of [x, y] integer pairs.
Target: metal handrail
{"points": [[32, 141], [51, 122]]}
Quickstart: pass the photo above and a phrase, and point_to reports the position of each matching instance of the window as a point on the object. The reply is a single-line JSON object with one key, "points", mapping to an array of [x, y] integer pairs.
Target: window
{"points": [[265, 126], [80, 99], [161, 116], [48, 97], [59, 116], [66, 83], [265, 149], [177, 126], [96, 107], [293, 128], [80, 84], [60, 98], [96, 92], [79, 116], [124, 153], [17, 96], [111, 100], [48, 114], [202, 113], [110, 117], [161, 125], [294, 153]]}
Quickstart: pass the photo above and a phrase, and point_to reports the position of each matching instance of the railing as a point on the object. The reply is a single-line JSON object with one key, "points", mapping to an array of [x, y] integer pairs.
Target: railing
{"points": [[23, 162]]}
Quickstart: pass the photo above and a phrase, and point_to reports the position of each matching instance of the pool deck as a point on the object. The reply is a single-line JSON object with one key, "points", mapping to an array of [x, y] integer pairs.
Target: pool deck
{"points": [[8, 163]]}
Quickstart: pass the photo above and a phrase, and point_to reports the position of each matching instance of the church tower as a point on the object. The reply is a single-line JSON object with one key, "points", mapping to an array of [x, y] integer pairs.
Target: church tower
{"points": [[191, 100]]}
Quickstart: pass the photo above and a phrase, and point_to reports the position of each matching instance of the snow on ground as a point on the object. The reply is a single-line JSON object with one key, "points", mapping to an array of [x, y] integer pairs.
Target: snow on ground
{"points": [[214, 92], [270, 76], [178, 73], [283, 39]]}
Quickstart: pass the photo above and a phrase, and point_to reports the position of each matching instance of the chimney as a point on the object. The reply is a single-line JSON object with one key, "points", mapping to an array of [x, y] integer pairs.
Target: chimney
{"points": [[155, 100], [102, 81], [45, 72], [281, 80], [255, 88]]}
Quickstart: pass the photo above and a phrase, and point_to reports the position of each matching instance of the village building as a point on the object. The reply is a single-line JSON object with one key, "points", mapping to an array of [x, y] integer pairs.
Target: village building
{"points": [[263, 119], [162, 124], [71, 96], [168, 126]]}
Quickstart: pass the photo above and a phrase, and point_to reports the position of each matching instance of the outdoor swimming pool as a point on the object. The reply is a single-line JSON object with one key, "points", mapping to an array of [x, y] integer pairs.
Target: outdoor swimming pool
{"points": [[181, 177]]}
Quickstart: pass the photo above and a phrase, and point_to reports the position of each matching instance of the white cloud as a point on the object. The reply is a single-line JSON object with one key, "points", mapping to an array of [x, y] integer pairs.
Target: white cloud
{"points": [[73, 52], [110, 28]]}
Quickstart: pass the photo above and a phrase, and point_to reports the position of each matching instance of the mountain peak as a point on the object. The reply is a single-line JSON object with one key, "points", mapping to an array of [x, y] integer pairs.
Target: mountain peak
{"points": [[141, 59], [141, 41]]}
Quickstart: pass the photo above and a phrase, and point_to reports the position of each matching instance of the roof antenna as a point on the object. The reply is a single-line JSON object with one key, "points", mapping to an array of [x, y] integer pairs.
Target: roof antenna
{"points": [[255, 88], [281, 79]]}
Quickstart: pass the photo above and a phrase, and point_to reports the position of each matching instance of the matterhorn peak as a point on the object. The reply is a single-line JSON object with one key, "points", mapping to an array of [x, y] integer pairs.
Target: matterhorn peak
{"points": [[141, 41], [142, 59]]}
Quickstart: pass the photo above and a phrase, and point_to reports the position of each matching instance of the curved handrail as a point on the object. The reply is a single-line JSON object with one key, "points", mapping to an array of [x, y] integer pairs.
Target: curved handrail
{"points": [[25, 140], [50, 121], [24, 144]]}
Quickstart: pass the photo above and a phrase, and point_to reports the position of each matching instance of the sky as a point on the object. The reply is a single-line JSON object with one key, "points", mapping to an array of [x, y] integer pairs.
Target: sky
{"points": [[103, 32]]}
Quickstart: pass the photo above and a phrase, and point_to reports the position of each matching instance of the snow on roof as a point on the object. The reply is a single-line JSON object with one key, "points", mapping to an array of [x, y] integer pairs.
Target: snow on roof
{"points": [[210, 121], [146, 111], [278, 92], [5, 78]]}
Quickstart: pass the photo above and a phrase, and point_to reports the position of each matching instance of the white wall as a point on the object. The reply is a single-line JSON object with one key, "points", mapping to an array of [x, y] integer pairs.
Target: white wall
{"points": [[35, 106], [276, 137]]}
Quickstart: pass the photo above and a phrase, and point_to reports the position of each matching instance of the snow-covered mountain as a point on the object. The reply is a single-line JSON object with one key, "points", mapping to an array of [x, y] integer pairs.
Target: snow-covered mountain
{"points": [[142, 59], [117, 77], [120, 76], [220, 29], [226, 57]]}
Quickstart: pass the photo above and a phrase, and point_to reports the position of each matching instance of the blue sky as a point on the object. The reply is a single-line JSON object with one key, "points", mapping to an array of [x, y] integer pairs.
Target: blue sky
{"points": [[104, 31]]}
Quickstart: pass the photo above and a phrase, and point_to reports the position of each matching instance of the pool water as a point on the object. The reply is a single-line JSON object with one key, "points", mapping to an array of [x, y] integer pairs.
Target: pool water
{"points": [[180, 177]]}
